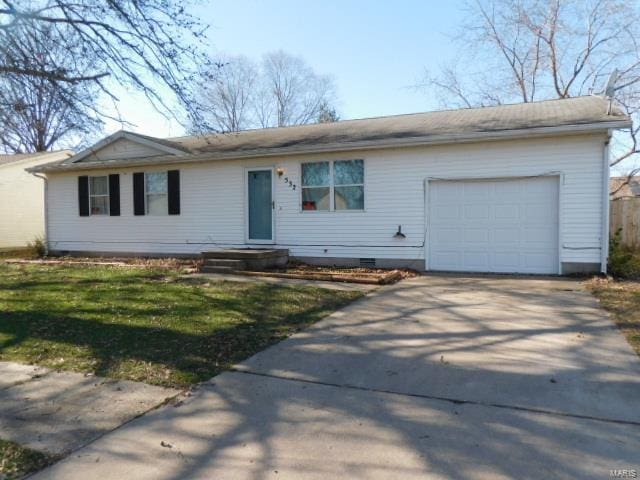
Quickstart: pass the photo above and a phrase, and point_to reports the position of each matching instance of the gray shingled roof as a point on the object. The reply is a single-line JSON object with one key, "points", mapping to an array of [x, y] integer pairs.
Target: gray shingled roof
{"points": [[446, 126], [553, 113], [6, 159]]}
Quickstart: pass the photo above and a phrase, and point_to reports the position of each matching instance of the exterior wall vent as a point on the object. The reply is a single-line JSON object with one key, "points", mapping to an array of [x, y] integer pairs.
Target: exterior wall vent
{"points": [[368, 262]]}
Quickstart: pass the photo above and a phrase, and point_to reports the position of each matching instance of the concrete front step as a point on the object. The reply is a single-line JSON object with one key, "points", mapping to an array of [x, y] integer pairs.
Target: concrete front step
{"points": [[225, 262], [245, 259], [213, 269], [247, 253]]}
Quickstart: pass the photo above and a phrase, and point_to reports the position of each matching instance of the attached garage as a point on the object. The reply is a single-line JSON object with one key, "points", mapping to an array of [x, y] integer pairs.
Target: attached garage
{"points": [[503, 225]]}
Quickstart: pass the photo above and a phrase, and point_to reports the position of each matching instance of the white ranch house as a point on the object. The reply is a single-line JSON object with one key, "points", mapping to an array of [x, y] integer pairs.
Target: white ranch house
{"points": [[516, 189]]}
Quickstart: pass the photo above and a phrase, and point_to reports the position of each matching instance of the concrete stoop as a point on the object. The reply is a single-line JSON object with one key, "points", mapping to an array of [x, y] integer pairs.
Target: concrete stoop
{"points": [[233, 260]]}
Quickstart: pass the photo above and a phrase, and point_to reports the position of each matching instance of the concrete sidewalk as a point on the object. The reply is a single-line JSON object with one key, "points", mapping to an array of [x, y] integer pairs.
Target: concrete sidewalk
{"points": [[58, 412], [435, 377]]}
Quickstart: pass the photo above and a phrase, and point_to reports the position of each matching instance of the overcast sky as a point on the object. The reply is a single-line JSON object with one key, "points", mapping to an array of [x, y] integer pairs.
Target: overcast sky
{"points": [[375, 50]]}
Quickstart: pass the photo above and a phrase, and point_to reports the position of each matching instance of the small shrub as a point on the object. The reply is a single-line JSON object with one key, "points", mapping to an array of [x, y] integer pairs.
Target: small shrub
{"points": [[38, 247], [624, 261]]}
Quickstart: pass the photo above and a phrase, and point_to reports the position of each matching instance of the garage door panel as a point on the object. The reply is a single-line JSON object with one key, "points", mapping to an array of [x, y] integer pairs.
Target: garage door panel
{"points": [[506, 261], [447, 236], [476, 235], [506, 191], [475, 213], [446, 194], [506, 235], [536, 189], [476, 191], [506, 226], [446, 261], [539, 236], [539, 211], [506, 212], [477, 260], [448, 213], [539, 262]]}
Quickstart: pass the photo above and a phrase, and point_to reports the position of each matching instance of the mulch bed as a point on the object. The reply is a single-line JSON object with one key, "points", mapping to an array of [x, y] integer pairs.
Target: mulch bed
{"points": [[368, 276]]}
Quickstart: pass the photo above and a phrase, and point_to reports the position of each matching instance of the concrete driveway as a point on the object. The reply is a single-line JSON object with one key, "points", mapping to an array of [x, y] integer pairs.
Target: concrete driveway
{"points": [[435, 377]]}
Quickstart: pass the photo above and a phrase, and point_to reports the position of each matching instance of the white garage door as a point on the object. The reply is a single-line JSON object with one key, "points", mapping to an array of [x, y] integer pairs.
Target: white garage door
{"points": [[508, 226]]}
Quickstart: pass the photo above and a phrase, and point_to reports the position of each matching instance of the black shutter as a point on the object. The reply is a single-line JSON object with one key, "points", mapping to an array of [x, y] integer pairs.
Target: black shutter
{"points": [[173, 190], [138, 193], [83, 196], [114, 195]]}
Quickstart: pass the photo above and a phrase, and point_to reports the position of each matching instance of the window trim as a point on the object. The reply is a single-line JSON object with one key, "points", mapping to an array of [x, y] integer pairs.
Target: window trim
{"points": [[146, 194], [332, 186], [107, 195]]}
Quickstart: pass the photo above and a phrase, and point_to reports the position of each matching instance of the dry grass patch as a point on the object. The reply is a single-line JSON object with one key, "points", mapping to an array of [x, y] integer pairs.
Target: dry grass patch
{"points": [[17, 461], [622, 300]]}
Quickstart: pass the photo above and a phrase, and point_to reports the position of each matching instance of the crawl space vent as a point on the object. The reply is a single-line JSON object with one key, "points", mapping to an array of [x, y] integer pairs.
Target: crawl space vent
{"points": [[368, 262]]}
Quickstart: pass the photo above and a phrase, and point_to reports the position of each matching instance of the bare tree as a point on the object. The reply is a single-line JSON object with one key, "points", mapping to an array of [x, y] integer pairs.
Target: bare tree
{"points": [[296, 93], [228, 93], [283, 90], [37, 114], [152, 46], [528, 50]]}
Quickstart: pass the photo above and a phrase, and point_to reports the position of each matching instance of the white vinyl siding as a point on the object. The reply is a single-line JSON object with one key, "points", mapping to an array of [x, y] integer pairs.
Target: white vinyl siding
{"points": [[213, 202], [22, 201]]}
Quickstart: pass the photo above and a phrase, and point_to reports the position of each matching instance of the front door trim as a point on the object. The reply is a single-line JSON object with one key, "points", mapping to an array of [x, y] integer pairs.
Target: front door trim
{"points": [[248, 240]]}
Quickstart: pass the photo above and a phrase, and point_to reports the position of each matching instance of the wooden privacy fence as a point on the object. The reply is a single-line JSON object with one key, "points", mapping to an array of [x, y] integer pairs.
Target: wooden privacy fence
{"points": [[625, 214]]}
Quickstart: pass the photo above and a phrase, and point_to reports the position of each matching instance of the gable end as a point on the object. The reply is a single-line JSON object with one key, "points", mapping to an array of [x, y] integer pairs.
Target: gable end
{"points": [[125, 145]]}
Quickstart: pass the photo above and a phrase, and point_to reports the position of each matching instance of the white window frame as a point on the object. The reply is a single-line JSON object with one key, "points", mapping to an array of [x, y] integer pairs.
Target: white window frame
{"points": [[92, 195], [146, 194], [332, 185]]}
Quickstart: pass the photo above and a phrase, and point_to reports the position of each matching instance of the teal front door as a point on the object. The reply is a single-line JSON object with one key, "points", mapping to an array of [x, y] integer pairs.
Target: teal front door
{"points": [[260, 205]]}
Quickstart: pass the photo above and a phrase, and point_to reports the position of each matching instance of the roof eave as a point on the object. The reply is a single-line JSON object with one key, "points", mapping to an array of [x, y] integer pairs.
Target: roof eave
{"points": [[41, 157], [343, 147]]}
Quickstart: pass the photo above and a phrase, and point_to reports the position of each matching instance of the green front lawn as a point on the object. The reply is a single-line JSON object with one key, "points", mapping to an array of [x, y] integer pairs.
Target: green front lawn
{"points": [[17, 461], [147, 325]]}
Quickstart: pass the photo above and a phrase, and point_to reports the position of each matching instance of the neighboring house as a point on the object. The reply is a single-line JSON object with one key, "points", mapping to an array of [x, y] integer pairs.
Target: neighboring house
{"points": [[514, 188], [623, 187], [22, 197]]}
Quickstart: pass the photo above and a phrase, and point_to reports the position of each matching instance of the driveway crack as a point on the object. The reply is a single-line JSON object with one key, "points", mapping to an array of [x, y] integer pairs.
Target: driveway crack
{"points": [[452, 400]]}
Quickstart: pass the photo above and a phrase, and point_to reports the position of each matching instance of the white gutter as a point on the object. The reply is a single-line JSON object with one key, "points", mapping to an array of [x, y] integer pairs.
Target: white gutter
{"points": [[342, 147], [45, 210], [604, 253]]}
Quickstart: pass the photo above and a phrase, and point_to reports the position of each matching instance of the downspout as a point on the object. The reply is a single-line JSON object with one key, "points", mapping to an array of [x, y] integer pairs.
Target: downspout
{"points": [[45, 210], [604, 253]]}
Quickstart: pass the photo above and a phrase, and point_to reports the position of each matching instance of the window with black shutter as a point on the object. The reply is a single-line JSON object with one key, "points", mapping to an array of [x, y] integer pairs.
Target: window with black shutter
{"points": [[138, 193], [173, 183], [114, 195], [83, 196]]}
